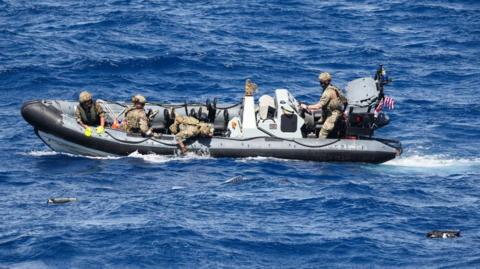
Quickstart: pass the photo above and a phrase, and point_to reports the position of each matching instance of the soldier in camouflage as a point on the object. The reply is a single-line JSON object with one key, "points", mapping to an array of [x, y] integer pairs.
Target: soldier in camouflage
{"points": [[136, 119], [332, 102], [89, 114], [188, 127]]}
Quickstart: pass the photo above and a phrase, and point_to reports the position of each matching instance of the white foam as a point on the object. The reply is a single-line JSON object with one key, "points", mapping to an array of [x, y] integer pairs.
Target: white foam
{"points": [[154, 158], [432, 161], [260, 158], [98, 158], [40, 153], [151, 158]]}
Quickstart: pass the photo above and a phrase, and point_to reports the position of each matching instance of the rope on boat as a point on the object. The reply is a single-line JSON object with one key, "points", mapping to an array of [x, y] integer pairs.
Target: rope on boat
{"points": [[279, 138], [105, 105], [139, 142], [192, 104], [297, 142]]}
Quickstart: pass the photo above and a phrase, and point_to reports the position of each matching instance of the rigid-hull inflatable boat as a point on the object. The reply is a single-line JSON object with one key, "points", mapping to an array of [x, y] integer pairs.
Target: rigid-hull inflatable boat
{"points": [[275, 126]]}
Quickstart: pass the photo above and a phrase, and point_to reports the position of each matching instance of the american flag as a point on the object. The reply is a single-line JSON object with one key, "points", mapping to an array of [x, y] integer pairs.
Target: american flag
{"points": [[386, 101]]}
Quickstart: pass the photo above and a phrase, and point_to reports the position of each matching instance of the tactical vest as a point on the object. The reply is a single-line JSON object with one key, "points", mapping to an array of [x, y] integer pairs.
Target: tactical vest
{"points": [[191, 125], [338, 103], [133, 124], [341, 97], [190, 121], [90, 118]]}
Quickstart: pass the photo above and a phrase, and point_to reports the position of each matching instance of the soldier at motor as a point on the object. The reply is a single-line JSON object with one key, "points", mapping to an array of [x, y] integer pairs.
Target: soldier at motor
{"points": [[332, 104]]}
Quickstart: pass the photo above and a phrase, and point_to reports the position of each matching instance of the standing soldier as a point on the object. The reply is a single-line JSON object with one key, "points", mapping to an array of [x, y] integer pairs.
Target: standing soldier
{"points": [[332, 103], [136, 119], [187, 127], [88, 114]]}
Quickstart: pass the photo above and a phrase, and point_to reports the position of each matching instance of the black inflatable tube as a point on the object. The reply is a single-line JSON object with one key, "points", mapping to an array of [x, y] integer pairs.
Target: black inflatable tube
{"points": [[48, 119]]}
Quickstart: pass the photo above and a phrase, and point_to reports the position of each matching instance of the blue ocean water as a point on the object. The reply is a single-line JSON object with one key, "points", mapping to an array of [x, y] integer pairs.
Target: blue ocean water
{"points": [[147, 211]]}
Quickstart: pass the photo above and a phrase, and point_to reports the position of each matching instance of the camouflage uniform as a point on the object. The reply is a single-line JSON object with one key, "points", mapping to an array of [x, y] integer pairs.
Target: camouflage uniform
{"points": [[92, 117], [186, 127], [137, 120], [332, 103]]}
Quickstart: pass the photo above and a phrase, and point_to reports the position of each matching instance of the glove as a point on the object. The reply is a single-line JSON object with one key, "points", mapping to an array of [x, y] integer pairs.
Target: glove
{"points": [[100, 130], [88, 131]]}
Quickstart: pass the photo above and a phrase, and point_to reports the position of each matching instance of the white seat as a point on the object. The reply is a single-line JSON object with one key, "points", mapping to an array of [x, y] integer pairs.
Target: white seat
{"points": [[265, 104]]}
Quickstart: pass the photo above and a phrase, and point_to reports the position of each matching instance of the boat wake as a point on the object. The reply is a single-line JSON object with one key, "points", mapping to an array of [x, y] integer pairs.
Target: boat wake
{"points": [[432, 161]]}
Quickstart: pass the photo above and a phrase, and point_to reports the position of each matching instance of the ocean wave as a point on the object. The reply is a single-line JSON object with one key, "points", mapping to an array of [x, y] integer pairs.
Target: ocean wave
{"points": [[131, 63]]}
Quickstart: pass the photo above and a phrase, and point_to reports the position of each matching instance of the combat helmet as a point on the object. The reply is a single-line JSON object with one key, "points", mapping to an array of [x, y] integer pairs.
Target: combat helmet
{"points": [[84, 97], [139, 99], [324, 76]]}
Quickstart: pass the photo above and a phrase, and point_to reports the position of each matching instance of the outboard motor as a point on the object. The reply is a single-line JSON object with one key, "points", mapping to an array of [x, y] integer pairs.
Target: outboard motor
{"points": [[364, 95]]}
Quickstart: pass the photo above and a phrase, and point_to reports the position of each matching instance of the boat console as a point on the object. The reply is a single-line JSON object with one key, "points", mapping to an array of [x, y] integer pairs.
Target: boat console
{"points": [[282, 116]]}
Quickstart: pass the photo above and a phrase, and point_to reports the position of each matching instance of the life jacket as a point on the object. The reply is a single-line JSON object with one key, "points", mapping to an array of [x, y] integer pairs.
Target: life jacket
{"points": [[90, 118]]}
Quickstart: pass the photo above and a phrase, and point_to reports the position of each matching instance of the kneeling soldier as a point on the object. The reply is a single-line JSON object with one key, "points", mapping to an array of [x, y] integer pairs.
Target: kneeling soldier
{"points": [[88, 114]]}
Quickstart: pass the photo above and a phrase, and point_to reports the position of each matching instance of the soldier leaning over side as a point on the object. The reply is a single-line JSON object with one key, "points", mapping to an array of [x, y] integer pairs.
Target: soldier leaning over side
{"points": [[88, 114], [187, 127], [332, 102]]}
